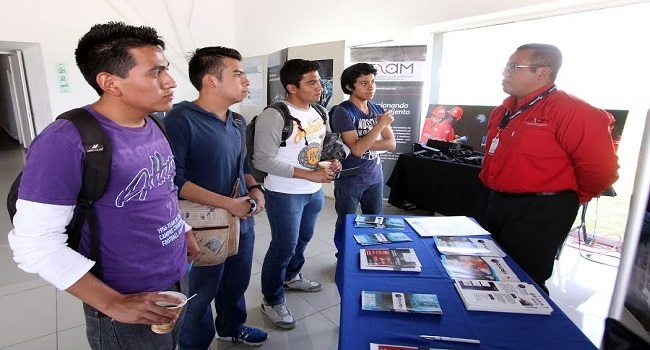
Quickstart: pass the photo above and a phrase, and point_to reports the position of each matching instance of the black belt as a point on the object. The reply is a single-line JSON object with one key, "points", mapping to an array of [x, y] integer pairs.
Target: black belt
{"points": [[532, 194]]}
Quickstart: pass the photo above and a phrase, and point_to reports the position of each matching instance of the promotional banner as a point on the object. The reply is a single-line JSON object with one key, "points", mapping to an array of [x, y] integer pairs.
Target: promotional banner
{"points": [[274, 90], [401, 71]]}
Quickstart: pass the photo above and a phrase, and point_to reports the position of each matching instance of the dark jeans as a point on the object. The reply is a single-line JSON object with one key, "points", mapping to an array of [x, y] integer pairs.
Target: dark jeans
{"points": [[225, 284], [531, 229], [348, 198], [104, 333], [292, 218]]}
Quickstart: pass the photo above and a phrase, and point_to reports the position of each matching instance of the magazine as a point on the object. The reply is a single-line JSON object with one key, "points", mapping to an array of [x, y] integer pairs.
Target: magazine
{"points": [[469, 267], [430, 226], [381, 237], [400, 259], [374, 221], [400, 302], [516, 297], [467, 246]]}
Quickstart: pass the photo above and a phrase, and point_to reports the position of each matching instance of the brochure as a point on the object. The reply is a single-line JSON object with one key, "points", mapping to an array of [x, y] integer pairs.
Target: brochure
{"points": [[374, 221], [515, 297], [469, 267], [381, 237], [374, 346], [400, 259], [467, 246], [400, 302], [430, 226]]}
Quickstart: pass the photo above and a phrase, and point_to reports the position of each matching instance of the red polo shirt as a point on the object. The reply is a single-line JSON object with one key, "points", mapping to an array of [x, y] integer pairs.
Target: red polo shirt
{"points": [[560, 143]]}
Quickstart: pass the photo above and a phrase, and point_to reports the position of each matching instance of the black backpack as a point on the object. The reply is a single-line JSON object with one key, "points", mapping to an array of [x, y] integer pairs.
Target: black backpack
{"points": [[96, 174], [287, 129]]}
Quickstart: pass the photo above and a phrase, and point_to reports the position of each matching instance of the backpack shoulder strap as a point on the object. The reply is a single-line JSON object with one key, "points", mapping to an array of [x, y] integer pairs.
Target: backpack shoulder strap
{"points": [[96, 174], [321, 111], [288, 119], [162, 128]]}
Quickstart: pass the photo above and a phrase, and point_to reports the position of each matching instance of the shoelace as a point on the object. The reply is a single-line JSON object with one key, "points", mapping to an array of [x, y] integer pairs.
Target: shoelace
{"points": [[281, 310]]}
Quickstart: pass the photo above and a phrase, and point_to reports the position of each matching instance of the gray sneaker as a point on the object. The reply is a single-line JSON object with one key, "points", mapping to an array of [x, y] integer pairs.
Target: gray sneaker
{"points": [[300, 282], [279, 314]]}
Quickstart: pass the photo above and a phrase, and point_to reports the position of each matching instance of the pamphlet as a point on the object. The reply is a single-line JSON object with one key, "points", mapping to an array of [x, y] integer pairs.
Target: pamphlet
{"points": [[430, 226], [381, 237], [469, 267], [374, 221], [515, 297], [400, 302], [400, 259], [374, 346], [467, 246]]}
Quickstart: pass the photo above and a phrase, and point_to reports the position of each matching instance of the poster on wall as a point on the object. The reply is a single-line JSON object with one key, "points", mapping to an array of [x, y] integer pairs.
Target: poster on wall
{"points": [[255, 76], [326, 73], [464, 124], [401, 71], [275, 91]]}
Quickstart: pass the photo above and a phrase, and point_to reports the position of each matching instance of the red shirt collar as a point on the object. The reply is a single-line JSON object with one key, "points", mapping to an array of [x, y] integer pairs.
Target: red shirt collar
{"points": [[511, 102]]}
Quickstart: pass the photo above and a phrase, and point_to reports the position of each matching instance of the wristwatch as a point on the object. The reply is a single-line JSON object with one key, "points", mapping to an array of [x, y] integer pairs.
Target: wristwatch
{"points": [[258, 186]]}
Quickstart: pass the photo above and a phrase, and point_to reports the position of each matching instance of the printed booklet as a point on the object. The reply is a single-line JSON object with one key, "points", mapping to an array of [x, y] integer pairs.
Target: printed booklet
{"points": [[515, 297], [400, 259], [467, 246], [400, 302], [375, 221], [381, 237], [374, 346], [469, 267]]}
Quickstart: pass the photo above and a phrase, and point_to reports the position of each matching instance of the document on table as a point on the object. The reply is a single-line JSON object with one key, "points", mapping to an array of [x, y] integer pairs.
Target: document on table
{"points": [[430, 226]]}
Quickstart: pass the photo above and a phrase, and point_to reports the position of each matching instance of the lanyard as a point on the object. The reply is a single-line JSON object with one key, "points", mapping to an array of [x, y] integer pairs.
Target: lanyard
{"points": [[507, 116]]}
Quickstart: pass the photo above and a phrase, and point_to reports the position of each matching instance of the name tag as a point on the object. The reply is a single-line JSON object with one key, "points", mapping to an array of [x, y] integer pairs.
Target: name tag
{"points": [[494, 145]]}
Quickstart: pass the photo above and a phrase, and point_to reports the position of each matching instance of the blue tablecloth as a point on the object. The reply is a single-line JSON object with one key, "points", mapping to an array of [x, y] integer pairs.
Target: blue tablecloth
{"points": [[495, 330]]}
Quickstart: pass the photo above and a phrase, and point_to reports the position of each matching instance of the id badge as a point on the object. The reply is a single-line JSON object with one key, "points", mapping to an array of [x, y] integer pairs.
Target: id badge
{"points": [[494, 145]]}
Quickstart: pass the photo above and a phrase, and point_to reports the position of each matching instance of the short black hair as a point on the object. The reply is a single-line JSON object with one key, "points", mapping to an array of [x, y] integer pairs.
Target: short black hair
{"points": [[350, 75], [293, 70], [105, 48], [209, 60], [545, 55]]}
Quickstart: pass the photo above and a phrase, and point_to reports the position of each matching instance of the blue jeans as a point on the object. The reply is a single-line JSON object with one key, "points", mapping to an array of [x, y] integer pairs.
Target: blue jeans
{"points": [[292, 218], [347, 200], [105, 333], [225, 284]]}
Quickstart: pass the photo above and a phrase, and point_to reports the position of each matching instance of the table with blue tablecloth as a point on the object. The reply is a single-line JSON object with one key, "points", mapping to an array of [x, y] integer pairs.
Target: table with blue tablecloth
{"points": [[495, 330]]}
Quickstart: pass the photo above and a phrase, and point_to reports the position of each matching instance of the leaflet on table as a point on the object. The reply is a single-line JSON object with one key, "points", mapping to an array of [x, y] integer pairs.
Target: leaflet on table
{"points": [[374, 346], [400, 302], [515, 297], [430, 226], [374, 221], [469, 267], [467, 246], [400, 259], [381, 237]]}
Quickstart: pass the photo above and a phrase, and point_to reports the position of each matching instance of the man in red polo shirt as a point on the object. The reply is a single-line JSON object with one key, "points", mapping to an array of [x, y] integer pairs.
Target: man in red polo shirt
{"points": [[547, 152]]}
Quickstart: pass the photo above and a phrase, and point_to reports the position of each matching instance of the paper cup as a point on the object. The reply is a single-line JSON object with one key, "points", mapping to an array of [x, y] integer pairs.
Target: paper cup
{"points": [[177, 308], [324, 164]]}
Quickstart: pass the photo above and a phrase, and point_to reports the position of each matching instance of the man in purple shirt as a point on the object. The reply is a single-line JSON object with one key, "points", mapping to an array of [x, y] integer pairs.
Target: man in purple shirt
{"points": [[144, 243]]}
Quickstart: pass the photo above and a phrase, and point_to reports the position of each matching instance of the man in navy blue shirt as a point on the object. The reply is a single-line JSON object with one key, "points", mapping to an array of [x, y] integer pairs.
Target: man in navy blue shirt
{"points": [[207, 140]]}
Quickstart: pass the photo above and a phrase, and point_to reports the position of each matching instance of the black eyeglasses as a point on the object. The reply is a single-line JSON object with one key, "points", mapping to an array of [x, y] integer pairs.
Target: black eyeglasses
{"points": [[513, 67]]}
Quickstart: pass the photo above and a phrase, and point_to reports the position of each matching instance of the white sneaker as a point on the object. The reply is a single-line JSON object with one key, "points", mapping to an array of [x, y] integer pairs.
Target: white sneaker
{"points": [[299, 282], [279, 314]]}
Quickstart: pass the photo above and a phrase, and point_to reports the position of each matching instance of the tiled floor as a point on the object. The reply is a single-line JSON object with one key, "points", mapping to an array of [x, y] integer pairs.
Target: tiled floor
{"points": [[38, 317]]}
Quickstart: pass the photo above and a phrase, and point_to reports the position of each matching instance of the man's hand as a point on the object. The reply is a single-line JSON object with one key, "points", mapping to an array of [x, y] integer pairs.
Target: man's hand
{"points": [[336, 165], [385, 119], [322, 175], [258, 197], [141, 308], [240, 207], [192, 245]]}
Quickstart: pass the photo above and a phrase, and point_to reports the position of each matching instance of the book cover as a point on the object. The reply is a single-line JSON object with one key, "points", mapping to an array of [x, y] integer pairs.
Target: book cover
{"points": [[403, 259], [467, 246], [369, 219], [374, 221], [471, 267], [379, 238], [400, 302], [515, 297]]}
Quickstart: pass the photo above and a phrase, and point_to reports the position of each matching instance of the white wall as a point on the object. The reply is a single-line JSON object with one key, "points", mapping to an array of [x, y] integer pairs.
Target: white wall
{"points": [[54, 28]]}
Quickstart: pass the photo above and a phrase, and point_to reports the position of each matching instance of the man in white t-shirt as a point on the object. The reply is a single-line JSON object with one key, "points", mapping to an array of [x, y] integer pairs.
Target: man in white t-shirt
{"points": [[293, 186]]}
